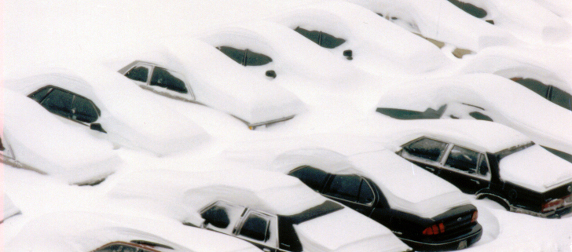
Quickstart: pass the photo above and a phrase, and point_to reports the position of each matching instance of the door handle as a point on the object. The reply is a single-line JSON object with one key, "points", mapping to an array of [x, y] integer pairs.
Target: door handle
{"points": [[476, 181], [430, 168]]}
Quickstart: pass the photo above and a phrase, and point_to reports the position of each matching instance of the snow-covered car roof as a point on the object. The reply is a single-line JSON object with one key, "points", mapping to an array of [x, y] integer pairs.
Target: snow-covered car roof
{"points": [[83, 231], [427, 18], [514, 16], [134, 122], [375, 42], [548, 65], [35, 139], [406, 187], [526, 168], [218, 82], [9, 209], [503, 100]]}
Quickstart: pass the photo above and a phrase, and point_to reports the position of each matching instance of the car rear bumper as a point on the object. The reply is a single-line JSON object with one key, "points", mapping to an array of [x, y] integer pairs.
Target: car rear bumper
{"points": [[459, 242]]}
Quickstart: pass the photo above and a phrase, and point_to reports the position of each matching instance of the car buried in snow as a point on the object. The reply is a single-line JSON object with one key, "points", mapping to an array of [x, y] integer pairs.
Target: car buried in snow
{"points": [[492, 161], [190, 70], [99, 232], [273, 211], [422, 210], [483, 97], [96, 99]]}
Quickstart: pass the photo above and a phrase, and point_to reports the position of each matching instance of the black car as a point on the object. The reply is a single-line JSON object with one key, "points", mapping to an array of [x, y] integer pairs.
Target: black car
{"points": [[518, 174], [452, 225]]}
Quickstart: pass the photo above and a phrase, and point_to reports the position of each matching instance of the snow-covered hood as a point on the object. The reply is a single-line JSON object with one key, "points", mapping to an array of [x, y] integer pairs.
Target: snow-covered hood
{"points": [[346, 230], [535, 168]]}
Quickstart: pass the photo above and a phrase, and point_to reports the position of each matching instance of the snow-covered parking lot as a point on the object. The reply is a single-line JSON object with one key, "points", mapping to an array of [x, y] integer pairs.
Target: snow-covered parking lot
{"points": [[332, 94]]}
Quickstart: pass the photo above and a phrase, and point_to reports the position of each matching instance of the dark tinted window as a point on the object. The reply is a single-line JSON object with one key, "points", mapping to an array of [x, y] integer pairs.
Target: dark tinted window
{"points": [[216, 216], [480, 116], [534, 85], [463, 159], [163, 78], [405, 114], [84, 110], [40, 94], [59, 102], [483, 167], [255, 227], [469, 8], [561, 98], [138, 73], [321, 38], [245, 57], [426, 148], [120, 248], [365, 193], [345, 187], [233, 53], [312, 177], [256, 59]]}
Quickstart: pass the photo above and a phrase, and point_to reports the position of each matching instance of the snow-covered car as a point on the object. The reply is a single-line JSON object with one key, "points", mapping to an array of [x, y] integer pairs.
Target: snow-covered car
{"points": [[542, 70], [357, 34], [424, 211], [493, 161], [546, 26], [193, 71], [9, 209], [35, 140], [271, 210], [83, 231], [456, 29], [483, 97], [97, 98]]}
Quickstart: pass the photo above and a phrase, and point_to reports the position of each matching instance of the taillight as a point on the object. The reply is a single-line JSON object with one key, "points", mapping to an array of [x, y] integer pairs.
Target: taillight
{"points": [[552, 205], [475, 216], [435, 229]]}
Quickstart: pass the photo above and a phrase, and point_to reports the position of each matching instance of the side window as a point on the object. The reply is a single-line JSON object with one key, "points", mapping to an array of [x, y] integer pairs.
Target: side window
{"points": [[365, 193], [532, 84], [58, 102], [483, 166], [427, 149], [138, 73], [469, 8], [256, 227], [163, 78], [41, 93], [120, 248], [222, 216], [463, 159], [256, 59], [84, 110], [561, 98], [345, 187], [321, 38], [233, 53], [312, 177], [245, 57]]}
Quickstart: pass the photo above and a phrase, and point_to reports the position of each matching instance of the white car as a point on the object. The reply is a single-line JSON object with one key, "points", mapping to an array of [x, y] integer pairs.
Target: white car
{"points": [[269, 209], [482, 97], [457, 29], [83, 231], [357, 34], [192, 71], [105, 102], [36, 140]]}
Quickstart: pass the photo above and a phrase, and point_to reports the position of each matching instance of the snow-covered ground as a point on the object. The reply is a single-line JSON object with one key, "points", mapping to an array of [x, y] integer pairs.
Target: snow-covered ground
{"points": [[59, 33]]}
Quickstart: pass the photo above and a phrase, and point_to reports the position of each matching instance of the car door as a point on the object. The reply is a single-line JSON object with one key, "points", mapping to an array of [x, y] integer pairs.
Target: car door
{"points": [[467, 169], [159, 79], [351, 190], [260, 229], [426, 153]]}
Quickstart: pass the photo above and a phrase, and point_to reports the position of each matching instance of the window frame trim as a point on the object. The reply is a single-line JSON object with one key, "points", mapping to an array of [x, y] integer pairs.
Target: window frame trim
{"points": [[269, 217], [455, 170], [148, 85]]}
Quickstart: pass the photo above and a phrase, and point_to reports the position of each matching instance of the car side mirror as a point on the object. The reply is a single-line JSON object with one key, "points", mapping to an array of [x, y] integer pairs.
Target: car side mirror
{"points": [[271, 74], [97, 127], [348, 54]]}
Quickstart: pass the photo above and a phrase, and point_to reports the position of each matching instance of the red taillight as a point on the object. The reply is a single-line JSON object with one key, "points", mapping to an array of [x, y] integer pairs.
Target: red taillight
{"points": [[552, 205], [435, 229], [475, 216]]}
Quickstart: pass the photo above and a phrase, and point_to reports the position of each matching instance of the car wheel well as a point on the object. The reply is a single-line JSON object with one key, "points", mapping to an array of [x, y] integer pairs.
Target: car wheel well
{"points": [[498, 199]]}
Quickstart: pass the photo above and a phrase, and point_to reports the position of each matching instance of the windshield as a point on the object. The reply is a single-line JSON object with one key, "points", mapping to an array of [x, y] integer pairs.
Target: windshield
{"points": [[501, 154]]}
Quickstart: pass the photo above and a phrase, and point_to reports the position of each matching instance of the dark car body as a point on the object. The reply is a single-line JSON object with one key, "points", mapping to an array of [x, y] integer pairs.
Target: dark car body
{"points": [[480, 172], [456, 228]]}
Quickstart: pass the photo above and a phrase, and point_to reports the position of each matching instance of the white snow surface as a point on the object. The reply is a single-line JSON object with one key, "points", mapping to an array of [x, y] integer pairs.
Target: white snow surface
{"points": [[535, 168], [216, 80], [132, 122], [46, 144], [8, 208], [534, 116], [84, 231]]}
